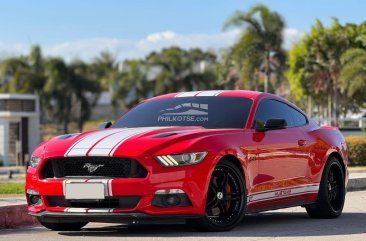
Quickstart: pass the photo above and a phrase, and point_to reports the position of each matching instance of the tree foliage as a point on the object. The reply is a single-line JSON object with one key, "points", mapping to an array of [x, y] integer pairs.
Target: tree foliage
{"points": [[353, 73], [67, 92], [259, 49], [171, 70], [326, 66], [70, 89], [315, 65]]}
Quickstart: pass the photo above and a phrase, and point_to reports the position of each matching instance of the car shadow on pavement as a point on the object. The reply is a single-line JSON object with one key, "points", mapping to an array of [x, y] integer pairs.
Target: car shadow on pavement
{"points": [[270, 224]]}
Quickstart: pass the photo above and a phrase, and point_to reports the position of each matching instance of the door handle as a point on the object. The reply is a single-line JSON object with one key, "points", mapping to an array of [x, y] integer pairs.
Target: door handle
{"points": [[301, 142]]}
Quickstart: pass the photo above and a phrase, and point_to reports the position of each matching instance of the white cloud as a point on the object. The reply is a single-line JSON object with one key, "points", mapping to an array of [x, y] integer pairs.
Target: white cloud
{"points": [[11, 49], [157, 41], [87, 49], [291, 36], [156, 37]]}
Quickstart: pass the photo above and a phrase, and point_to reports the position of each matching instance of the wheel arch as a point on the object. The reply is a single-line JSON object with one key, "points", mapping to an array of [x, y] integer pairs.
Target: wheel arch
{"points": [[235, 160], [239, 164], [340, 159]]}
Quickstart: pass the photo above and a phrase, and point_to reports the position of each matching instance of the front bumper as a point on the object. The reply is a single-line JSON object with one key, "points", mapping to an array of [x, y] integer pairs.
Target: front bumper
{"points": [[57, 217], [193, 180]]}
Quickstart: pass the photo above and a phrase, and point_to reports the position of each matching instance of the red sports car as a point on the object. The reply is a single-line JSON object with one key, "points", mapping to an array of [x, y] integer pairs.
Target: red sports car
{"points": [[208, 157]]}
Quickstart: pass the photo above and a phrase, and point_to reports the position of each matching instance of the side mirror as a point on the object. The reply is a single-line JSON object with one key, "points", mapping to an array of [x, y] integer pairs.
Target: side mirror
{"points": [[273, 124], [104, 125]]}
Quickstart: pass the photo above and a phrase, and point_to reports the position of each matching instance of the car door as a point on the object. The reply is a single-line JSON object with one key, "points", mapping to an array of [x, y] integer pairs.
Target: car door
{"points": [[281, 162]]}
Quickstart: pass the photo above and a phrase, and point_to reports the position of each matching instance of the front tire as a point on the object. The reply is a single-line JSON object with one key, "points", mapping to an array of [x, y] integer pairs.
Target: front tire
{"points": [[63, 226], [332, 192], [226, 199]]}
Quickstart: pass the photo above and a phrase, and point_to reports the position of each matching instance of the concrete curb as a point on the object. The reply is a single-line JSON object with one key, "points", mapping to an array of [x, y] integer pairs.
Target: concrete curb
{"points": [[356, 184], [14, 216]]}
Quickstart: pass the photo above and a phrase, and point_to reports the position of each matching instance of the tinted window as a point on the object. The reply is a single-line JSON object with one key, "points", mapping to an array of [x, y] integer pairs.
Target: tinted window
{"points": [[209, 112], [298, 118], [272, 109]]}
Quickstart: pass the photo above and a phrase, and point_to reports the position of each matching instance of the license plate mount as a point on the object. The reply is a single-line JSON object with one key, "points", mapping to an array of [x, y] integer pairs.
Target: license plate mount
{"points": [[84, 191]]}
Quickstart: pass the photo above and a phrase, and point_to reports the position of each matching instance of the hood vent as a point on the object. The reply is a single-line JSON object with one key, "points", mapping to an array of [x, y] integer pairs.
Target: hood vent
{"points": [[162, 135], [67, 136]]}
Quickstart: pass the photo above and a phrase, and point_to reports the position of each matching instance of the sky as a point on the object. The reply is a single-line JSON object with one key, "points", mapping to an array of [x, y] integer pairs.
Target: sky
{"points": [[133, 28]]}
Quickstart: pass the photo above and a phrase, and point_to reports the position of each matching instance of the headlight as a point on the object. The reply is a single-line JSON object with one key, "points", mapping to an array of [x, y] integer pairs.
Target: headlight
{"points": [[181, 159], [34, 161]]}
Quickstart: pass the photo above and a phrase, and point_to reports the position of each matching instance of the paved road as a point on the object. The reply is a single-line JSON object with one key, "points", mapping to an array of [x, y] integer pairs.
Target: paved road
{"points": [[285, 224]]}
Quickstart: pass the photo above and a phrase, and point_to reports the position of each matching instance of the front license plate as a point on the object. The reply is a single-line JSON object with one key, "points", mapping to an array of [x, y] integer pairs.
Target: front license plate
{"points": [[84, 191]]}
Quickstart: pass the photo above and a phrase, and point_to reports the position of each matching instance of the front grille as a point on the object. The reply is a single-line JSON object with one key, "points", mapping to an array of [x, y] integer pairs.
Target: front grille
{"points": [[109, 202], [113, 167]]}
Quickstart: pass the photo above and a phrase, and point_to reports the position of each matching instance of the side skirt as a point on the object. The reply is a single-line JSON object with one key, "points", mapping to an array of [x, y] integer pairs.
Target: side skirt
{"points": [[251, 210]]}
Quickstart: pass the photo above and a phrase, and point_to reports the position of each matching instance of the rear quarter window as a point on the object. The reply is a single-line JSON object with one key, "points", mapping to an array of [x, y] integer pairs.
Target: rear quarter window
{"points": [[274, 109]]}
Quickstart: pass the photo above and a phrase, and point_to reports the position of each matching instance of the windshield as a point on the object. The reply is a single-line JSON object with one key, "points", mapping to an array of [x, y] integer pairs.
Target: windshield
{"points": [[208, 112]]}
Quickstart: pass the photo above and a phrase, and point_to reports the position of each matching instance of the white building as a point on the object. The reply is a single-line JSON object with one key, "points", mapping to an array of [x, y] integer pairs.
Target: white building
{"points": [[19, 127]]}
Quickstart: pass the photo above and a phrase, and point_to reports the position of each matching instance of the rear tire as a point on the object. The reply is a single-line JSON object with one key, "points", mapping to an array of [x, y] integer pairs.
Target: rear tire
{"points": [[226, 199], [332, 192], [63, 226]]}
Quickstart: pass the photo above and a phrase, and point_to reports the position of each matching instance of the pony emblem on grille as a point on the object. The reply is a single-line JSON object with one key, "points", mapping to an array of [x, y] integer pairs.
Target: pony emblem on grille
{"points": [[92, 168]]}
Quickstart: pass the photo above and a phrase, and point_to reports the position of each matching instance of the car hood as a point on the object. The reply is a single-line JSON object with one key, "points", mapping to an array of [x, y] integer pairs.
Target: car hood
{"points": [[124, 141]]}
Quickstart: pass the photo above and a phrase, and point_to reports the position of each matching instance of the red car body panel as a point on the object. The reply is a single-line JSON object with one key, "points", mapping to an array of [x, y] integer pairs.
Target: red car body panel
{"points": [[281, 167]]}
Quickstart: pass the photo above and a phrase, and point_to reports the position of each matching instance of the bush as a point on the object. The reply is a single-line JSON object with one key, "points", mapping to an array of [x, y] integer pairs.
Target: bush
{"points": [[11, 188], [356, 150]]}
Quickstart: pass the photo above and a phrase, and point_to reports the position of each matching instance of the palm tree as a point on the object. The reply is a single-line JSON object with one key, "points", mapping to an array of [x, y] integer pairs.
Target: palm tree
{"points": [[14, 72], [70, 90], [58, 91], [104, 68], [353, 73], [86, 90], [315, 65], [24, 74], [260, 45], [171, 70], [182, 70], [131, 85]]}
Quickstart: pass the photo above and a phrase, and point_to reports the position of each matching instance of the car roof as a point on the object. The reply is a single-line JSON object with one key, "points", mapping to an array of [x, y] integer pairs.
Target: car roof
{"points": [[253, 95], [231, 93]]}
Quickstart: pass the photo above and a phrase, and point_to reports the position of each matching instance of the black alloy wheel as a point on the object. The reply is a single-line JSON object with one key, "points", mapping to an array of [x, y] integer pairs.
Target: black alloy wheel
{"points": [[226, 199], [332, 191], [335, 190]]}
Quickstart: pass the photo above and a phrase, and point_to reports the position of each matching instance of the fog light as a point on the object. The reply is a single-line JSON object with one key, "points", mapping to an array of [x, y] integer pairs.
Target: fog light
{"points": [[170, 198], [34, 198]]}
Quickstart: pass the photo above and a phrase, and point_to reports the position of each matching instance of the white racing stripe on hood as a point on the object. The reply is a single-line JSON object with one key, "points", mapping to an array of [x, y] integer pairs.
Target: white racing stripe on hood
{"points": [[107, 146], [105, 143], [81, 147]]}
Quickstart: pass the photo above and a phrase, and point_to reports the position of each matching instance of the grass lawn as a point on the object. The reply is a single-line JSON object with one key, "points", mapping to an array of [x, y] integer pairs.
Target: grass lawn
{"points": [[12, 195], [11, 188]]}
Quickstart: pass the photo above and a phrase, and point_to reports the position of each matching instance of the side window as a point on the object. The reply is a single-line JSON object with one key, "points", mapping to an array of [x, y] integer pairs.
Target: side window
{"points": [[298, 118], [273, 109]]}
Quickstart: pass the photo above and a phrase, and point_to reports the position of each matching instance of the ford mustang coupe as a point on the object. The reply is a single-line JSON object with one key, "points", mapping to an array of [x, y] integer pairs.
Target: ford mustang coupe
{"points": [[208, 157]]}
